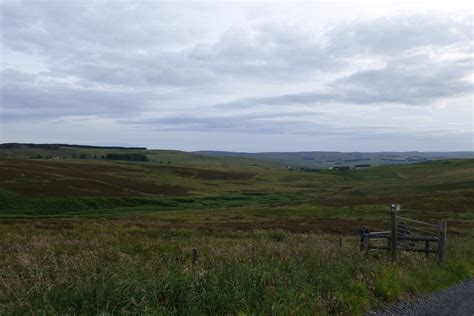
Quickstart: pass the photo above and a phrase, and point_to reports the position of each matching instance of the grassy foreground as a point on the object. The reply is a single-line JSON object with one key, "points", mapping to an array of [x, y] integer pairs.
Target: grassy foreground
{"points": [[137, 266], [95, 237]]}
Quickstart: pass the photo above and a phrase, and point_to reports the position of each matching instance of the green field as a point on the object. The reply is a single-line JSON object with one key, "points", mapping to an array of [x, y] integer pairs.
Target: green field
{"points": [[88, 236]]}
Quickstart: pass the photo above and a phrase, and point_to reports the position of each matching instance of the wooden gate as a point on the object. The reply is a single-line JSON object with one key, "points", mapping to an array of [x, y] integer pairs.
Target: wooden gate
{"points": [[406, 235]]}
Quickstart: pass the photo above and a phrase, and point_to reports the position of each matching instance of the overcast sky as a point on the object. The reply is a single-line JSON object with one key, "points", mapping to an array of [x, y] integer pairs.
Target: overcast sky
{"points": [[240, 76]]}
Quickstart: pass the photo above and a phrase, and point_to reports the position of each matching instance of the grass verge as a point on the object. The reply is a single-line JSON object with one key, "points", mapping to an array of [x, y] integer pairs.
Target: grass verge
{"points": [[127, 267]]}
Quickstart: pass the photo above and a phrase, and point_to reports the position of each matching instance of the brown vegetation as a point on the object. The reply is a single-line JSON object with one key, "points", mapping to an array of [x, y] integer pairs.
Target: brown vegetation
{"points": [[62, 179]]}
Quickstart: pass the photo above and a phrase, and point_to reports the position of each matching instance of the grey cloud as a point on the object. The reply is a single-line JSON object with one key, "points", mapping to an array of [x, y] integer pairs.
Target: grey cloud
{"points": [[50, 27], [144, 46], [296, 123], [261, 122], [115, 43], [270, 52], [408, 81], [141, 44], [118, 48], [24, 97], [396, 35], [405, 80]]}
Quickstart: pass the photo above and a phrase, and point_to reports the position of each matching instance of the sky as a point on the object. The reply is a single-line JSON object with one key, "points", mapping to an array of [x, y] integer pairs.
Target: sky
{"points": [[239, 76]]}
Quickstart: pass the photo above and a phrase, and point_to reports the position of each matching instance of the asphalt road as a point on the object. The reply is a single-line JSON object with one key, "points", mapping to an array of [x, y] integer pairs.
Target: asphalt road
{"points": [[454, 301]]}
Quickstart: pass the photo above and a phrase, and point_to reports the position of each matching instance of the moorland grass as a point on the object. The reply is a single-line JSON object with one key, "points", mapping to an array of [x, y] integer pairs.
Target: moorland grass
{"points": [[268, 243], [125, 267], [442, 186], [15, 205]]}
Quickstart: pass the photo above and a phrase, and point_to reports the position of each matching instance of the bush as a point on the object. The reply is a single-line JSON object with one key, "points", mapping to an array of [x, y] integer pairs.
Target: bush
{"points": [[127, 157]]}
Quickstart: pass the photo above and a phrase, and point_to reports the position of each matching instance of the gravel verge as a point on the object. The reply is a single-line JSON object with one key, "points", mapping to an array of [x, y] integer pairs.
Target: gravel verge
{"points": [[454, 301]]}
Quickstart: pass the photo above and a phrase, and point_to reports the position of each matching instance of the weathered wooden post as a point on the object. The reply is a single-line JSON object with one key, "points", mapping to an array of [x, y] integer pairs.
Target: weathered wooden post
{"points": [[194, 256], [364, 240], [442, 241], [340, 241], [393, 241]]}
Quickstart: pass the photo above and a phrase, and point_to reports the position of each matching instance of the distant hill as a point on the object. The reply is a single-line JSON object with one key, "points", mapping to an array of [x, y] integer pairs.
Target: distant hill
{"points": [[58, 146], [160, 156], [327, 159], [67, 151], [306, 161]]}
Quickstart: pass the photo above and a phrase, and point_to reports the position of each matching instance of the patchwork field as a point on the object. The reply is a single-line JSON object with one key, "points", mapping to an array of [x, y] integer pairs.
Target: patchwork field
{"points": [[90, 236]]}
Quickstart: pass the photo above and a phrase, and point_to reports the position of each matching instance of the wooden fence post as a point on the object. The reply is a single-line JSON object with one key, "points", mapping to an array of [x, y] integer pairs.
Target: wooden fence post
{"points": [[194, 256], [427, 248], [364, 240], [393, 240], [442, 242]]}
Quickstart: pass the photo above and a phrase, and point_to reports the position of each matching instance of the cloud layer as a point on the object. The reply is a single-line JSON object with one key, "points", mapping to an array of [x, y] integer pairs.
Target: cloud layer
{"points": [[198, 68]]}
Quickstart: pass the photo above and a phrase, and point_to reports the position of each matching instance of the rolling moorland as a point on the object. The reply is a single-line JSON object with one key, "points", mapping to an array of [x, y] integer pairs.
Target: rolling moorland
{"points": [[328, 159], [91, 235], [312, 160]]}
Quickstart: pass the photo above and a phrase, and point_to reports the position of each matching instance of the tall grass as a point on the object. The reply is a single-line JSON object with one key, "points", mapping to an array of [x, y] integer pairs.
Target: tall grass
{"points": [[115, 267]]}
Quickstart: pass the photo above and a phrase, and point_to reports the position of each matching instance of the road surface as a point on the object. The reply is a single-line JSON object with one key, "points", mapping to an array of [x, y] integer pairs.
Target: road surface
{"points": [[454, 301]]}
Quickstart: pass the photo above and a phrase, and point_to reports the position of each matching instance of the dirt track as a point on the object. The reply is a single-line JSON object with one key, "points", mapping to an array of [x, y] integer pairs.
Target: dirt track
{"points": [[454, 301]]}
